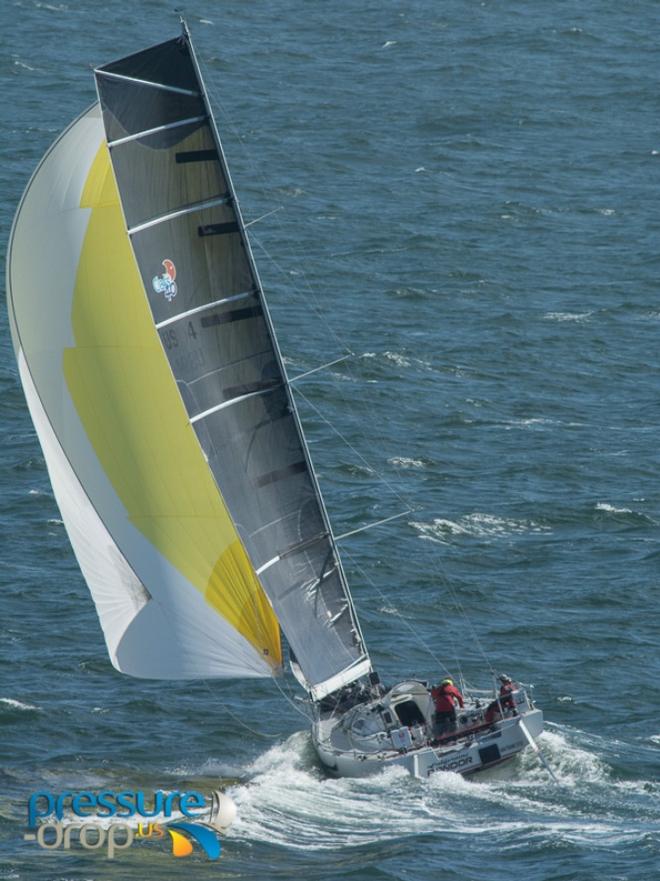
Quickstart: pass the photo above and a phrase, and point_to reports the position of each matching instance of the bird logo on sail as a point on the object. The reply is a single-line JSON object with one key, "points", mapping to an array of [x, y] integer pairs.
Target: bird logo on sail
{"points": [[165, 284]]}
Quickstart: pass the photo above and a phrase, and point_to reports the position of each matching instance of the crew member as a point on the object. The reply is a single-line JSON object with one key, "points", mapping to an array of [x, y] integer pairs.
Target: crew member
{"points": [[505, 700], [446, 697], [506, 687]]}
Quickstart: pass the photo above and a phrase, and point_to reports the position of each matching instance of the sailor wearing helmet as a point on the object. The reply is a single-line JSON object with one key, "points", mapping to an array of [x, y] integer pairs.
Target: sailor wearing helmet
{"points": [[446, 697], [504, 703]]}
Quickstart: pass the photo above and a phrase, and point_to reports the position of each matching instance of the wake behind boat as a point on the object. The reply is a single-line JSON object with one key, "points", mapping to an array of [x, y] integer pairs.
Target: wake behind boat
{"points": [[170, 429]]}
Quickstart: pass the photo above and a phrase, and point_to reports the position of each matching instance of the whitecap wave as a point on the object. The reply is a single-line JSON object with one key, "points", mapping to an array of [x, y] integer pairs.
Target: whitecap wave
{"points": [[22, 64], [476, 525], [398, 359], [389, 610], [405, 462], [212, 767], [573, 765], [611, 509], [568, 316], [17, 705], [529, 423]]}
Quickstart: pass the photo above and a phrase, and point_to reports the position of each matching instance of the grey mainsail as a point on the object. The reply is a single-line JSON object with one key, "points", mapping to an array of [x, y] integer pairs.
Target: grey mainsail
{"points": [[206, 299]]}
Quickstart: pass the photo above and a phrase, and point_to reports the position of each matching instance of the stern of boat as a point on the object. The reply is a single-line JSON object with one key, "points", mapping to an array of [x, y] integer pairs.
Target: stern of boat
{"points": [[359, 742]]}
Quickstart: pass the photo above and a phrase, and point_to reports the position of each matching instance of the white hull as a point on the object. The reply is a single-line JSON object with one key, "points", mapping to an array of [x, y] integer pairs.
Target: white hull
{"points": [[468, 749]]}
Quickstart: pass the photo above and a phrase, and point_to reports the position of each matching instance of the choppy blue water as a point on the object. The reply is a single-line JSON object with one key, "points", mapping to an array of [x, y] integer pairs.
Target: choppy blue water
{"points": [[470, 198]]}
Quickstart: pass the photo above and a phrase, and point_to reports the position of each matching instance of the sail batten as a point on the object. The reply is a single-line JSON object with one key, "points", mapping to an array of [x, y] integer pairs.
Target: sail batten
{"points": [[195, 264], [132, 79], [237, 400], [136, 136], [204, 308], [181, 212]]}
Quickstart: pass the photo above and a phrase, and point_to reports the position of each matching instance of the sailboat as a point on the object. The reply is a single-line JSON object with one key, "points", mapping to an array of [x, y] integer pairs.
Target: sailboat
{"points": [[176, 454]]}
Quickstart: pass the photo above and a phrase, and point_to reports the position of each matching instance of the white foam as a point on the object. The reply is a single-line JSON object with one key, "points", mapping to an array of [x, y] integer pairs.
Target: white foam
{"points": [[526, 423], [478, 525], [388, 610], [16, 705], [398, 359], [212, 767], [603, 506], [568, 316], [18, 63], [638, 787], [573, 765], [404, 462], [288, 801]]}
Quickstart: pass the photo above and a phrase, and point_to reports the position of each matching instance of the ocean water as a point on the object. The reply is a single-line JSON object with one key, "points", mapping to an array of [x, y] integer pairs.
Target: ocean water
{"points": [[467, 197]]}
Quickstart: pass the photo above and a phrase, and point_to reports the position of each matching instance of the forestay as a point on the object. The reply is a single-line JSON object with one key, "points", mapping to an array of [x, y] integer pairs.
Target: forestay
{"points": [[208, 307]]}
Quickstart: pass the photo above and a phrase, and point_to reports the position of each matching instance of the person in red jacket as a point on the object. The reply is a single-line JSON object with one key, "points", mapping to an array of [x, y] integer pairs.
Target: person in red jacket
{"points": [[446, 697], [506, 688], [504, 702]]}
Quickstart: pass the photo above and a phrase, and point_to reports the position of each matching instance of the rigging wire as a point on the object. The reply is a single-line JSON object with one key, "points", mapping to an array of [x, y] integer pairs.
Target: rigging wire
{"points": [[243, 724], [460, 608], [312, 301], [263, 216], [321, 367], [290, 700], [258, 173], [310, 298], [359, 455], [292, 284], [238, 718], [387, 600]]}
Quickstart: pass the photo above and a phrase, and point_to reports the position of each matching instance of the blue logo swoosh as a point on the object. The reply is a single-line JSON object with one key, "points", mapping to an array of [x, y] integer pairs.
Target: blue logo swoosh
{"points": [[206, 839]]}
